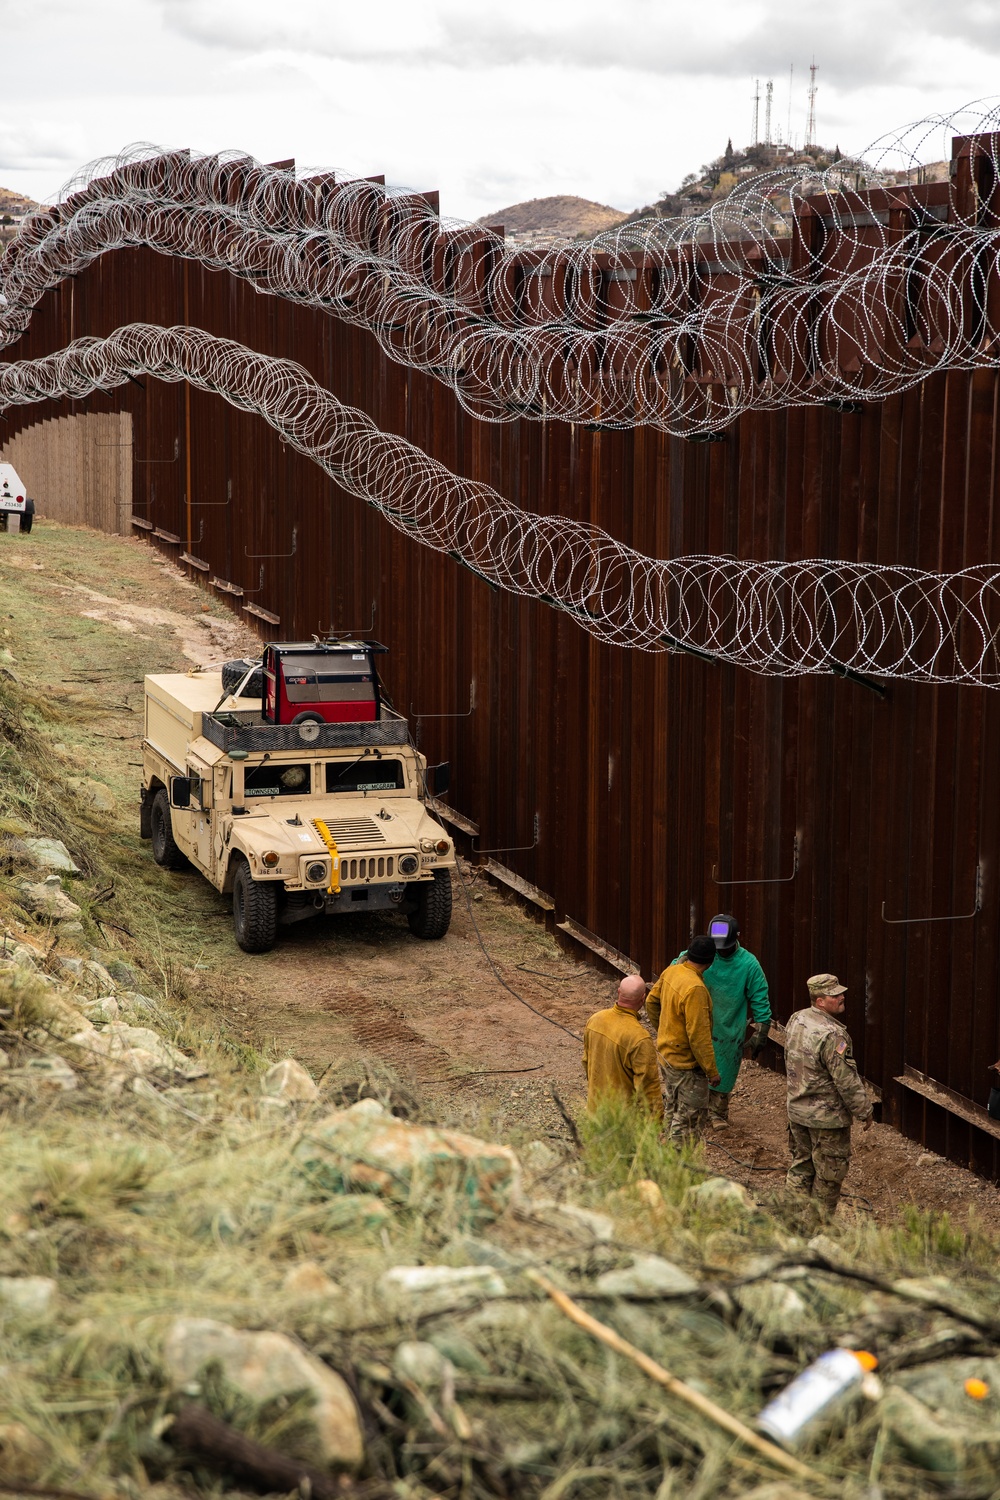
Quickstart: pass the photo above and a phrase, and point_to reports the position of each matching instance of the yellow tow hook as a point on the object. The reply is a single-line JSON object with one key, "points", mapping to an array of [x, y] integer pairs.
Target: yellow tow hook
{"points": [[333, 889]]}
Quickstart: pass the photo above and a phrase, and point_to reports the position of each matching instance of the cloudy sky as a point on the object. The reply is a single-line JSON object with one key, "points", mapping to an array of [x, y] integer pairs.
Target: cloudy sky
{"points": [[489, 102]]}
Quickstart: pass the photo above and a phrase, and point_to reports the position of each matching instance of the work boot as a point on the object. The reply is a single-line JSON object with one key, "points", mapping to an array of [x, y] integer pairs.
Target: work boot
{"points": [[718, 1110]]}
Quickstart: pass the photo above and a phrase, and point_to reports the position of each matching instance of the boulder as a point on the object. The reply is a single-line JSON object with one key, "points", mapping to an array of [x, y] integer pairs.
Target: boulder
{"points": [[364, 1148], [97, 975], [477, 1252], [46, 1074], [775, 1305], [101, 1012], [308, 1279], [650, 1195], [939, 1425], [24, 1456], [51, 854], [567, 1218], [139, 1050], [264, 1367], [647, 1278], [288, 1080], [93, 793], [719, 1192], [422, 1364], [121, 973], [414, 1291], [142, 1005], [27, 1296], [47, 899]]}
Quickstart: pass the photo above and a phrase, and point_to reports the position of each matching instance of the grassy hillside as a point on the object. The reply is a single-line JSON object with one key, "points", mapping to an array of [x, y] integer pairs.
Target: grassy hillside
{"points": [[154, 1170]]}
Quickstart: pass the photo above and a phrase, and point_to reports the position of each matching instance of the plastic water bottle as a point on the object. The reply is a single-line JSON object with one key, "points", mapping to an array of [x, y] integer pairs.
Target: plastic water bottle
{"points": [[815, 1396]]}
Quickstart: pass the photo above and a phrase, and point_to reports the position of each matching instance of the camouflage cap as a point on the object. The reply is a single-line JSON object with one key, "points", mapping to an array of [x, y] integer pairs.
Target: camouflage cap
{"points": [[825, 984]]}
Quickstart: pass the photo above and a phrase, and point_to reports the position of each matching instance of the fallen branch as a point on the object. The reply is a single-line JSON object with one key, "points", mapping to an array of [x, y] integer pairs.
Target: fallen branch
{"points": [[685, 1393], [781, 1270], [571, 1123], [196, 1431]]}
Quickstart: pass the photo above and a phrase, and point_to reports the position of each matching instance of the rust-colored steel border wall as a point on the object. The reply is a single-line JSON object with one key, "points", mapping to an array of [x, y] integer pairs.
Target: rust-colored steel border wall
{"points": [[654, 784]]}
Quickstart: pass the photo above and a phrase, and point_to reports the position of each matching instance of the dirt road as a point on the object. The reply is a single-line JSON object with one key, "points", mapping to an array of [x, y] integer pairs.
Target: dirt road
{"points": [[86, 616]]}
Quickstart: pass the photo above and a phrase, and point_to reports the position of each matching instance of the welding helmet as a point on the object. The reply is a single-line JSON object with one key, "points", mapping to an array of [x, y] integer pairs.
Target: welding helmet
{"points": [[725, 932]]}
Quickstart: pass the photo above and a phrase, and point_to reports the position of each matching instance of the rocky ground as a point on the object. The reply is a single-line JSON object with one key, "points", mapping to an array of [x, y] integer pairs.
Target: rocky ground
{"points": [[333, 1219]]}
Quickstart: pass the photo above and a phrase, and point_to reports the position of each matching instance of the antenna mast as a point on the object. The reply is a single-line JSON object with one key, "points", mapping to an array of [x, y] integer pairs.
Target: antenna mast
{"points": [[811, 126], [756, 111], [767, 112]]}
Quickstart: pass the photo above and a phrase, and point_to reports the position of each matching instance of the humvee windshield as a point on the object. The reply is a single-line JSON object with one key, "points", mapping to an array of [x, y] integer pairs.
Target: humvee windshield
{"points": [[275, 779], [367, 775]]}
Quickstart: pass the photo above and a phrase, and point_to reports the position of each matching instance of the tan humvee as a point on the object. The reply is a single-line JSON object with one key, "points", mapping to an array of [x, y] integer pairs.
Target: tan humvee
{"points": [[291, 819]]}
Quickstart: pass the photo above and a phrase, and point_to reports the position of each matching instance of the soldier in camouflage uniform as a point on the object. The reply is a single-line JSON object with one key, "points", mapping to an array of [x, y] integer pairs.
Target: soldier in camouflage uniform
{"points": [[825, 1094]]}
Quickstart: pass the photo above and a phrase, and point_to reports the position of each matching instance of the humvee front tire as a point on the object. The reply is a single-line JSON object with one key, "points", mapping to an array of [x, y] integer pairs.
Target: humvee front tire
{"points": [[255, 910], [432, 917], [165, 851]]}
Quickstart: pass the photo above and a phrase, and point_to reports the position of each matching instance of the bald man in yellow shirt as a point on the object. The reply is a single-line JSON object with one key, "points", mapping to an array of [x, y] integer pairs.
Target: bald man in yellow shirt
{"points": [[619, 1055]]}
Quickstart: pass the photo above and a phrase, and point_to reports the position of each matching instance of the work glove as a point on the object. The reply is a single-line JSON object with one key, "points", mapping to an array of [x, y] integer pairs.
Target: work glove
{"points": [[757, 1039]]}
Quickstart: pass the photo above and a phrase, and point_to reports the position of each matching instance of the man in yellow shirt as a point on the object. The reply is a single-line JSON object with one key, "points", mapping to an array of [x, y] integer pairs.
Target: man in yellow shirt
{"points": [[680, 1008], [619, 1056]]}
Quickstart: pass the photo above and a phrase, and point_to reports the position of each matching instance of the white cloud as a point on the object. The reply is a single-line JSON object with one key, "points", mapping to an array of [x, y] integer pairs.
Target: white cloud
{"points": [[488, 102]]}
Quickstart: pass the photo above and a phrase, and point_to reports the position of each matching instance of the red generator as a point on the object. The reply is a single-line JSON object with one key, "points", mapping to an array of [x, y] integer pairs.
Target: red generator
{"points": [[325, 683]]}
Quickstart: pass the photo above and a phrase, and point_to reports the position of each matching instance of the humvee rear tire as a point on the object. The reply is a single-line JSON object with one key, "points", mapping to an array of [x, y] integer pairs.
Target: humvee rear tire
{"points": [[165, 851], [28, 517], [255, 910], [432, 917], [233, 673]]}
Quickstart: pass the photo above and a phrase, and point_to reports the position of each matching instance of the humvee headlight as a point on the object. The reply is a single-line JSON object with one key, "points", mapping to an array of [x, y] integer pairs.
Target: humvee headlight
{"points": [[442, 846], [270, 857], [408, 864], [427, 846], [315, 872]]}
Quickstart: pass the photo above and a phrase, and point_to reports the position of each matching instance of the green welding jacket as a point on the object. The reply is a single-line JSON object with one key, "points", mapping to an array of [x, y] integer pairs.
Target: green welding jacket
{"points": [[736, 984]]}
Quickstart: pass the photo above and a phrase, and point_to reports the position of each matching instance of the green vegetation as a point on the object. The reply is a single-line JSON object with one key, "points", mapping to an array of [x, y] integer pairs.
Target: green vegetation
{"points": [[147, 1196]]}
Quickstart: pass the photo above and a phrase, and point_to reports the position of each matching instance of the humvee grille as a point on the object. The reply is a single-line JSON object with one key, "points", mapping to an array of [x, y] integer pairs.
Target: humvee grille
{"points": [[367, 869], [352, 833]]}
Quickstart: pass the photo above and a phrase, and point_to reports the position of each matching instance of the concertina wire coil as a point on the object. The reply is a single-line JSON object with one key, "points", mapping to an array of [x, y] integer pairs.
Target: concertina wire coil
{"points": [[776, 618], [779, 328], [676, 324]]}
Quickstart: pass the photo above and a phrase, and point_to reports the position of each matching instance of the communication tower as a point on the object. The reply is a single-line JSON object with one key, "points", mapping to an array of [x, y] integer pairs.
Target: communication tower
{"points": [[767, 112], [755, 133], [811, 125]]}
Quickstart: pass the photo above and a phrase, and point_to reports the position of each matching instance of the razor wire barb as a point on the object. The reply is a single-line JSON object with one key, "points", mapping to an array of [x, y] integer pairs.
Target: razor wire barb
{"points": [[776, 618]]}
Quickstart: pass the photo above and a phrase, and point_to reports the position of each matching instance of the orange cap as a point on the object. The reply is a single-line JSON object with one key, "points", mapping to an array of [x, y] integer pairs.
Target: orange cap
{"points": [[868, 1362], [977, 1389]]}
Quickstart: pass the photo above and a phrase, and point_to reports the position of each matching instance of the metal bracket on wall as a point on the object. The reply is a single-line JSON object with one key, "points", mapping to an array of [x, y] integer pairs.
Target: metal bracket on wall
{"points": [[295, 542], [513, 848], [464, 715], [350, 635], [774, 880], [962, 916], [260, 583], [215, 504], [177, 450]]}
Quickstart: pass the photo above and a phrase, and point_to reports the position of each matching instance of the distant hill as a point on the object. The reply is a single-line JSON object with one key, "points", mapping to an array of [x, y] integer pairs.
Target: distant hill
{"points": [[562, 217], [15, 203], [13, 207]]}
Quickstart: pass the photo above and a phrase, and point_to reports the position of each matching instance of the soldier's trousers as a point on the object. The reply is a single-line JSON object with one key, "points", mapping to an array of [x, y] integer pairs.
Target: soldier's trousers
{"points": [[820, 1159], [685, 1100], [718, 1105]]}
